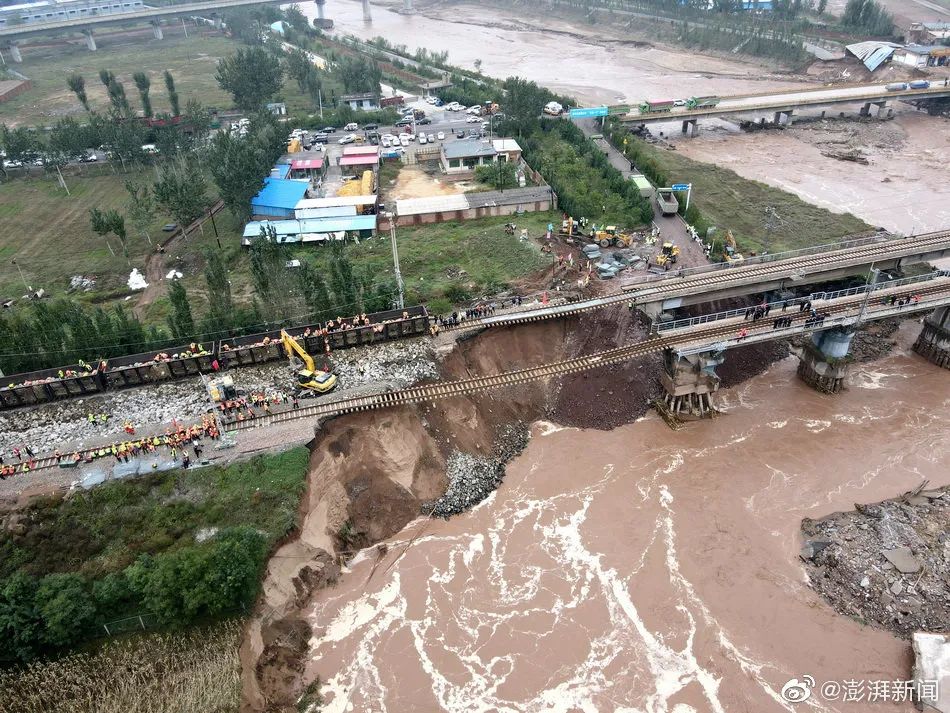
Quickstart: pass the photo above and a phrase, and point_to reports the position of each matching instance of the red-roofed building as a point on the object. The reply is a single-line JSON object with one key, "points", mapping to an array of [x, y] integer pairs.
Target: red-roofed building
{"points": [[312, 168]]}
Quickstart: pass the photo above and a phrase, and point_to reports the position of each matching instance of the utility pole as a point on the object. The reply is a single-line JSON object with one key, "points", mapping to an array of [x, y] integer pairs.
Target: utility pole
{"points": [[392, 238], [23, 279]]}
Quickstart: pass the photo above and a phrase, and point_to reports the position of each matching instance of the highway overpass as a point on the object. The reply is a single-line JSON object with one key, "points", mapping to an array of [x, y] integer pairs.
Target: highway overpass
{"points": [[87, 24]]}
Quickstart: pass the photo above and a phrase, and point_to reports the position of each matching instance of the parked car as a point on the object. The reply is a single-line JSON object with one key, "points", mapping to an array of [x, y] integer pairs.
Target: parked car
{"points": [[473, 119], [424, 120], [473, 133], [441, 136], [431, 138], [405, 121], [169, 227], [371, 127], [348, 139], [431, 100], [320, 138], [404, 140], [327, 129], [385, 142], [352, 126], [422, 139], [460, 133], [89, 157]]}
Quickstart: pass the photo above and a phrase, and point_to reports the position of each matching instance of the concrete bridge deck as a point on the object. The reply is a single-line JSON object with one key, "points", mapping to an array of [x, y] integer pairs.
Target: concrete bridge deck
{"points": [[787, 101], [19, 32]]}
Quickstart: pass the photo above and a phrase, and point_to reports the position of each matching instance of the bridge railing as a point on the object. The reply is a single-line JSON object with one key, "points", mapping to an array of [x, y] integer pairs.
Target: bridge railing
{"points": [[856, 241], [798, 301]]}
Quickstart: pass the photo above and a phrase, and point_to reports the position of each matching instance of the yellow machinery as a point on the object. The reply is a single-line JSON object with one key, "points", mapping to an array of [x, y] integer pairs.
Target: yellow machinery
{"points": [[222, 389], [731, 255], [609, 235], [294, 146], [310, 380], [669, 254]]}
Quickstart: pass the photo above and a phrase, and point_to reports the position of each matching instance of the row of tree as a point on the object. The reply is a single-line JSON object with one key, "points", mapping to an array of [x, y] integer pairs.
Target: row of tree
{"points": [[40, 616], [868, 17], [117, 96]]}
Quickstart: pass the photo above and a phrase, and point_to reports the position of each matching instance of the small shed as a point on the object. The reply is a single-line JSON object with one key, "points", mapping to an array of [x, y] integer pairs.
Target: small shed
{"points": [[278, 198], [308, 168], [312, 230], [462, 156], [920, 56], [508, 150], [281, 170], [364, 102], [355, 165], [335, 206]]}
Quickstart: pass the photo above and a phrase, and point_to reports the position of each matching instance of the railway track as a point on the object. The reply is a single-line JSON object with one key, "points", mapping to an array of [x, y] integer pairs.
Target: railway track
{"points": [[711, 333], [462, 387], [666, 288]]}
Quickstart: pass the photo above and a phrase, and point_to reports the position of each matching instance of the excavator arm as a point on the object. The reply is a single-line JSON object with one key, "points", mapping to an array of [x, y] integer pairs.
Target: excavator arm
{"points": [[292, 347]]}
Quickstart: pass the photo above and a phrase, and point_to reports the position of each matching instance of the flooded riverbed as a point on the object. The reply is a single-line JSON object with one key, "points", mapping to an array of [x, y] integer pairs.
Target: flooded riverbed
{"points": [[638, 569]]}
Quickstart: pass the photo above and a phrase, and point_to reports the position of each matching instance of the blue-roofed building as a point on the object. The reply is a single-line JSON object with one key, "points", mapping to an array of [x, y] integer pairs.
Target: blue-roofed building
{"points": [[312, 230], [278, 198], [281, 170]]}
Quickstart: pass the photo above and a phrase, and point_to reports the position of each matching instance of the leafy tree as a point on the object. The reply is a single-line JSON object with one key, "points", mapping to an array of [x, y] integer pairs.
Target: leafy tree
{"points": [[500, 175], [342, 281], [66, 607], [198, 118], [237, 167], [268, 272], [822, 5], [18, 143], [252, 76], [220, 303], [359, 74], [869, 17], [140, 207], [110, 221], [172, 94], [77, 85], [181, 191], [106, 77], [121, 137], [143, 84], [21, 628], [181, 321], [314, 290], [117, 98]]}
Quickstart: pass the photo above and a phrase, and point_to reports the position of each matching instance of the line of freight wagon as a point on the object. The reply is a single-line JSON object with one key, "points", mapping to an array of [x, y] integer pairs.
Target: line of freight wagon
{"points": [[66, 382]]}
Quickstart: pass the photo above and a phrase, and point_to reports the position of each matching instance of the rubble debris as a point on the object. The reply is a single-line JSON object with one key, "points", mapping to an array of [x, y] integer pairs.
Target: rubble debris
{"points": [[81, 282], [885, 562], [137, 280]]}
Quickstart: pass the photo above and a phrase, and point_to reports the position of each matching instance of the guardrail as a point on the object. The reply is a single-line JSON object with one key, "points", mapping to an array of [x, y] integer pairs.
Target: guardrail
{"points": [[783, 305]]}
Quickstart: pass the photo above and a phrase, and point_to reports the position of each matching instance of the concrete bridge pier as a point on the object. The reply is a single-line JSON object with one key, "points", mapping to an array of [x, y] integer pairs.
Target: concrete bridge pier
{"points": [[90, 40], [933, 344], [690, 382], [367, 13], [157, 31], [783, 117], [690, 127], [407, 6], [866, 109], [15, 51], [321, 12], [823, 362]]}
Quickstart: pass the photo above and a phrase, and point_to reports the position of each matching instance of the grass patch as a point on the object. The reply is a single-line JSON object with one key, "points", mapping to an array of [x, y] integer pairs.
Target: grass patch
{"points": [[104, 529], [177, 547], [446, 260], [50, 236]]}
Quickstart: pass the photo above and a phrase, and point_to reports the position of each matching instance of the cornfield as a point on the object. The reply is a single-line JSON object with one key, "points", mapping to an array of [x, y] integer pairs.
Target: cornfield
{"points": [[193, 672]]}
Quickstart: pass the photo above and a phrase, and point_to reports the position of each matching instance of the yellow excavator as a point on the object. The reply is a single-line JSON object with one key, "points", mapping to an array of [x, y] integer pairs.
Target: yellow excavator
{"points": [[732, 257], [310, 380]]}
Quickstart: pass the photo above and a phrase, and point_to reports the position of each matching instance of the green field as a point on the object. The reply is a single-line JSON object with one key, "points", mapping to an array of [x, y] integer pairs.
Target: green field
{"points": [[192, 61], [49, 234], [730, 202]]}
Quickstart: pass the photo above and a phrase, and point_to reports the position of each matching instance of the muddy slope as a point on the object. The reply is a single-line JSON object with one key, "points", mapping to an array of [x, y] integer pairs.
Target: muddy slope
{"points": [[371, 474]]}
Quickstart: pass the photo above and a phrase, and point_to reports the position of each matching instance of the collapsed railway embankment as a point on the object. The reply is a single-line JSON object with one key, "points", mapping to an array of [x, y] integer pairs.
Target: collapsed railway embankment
{"points": [[373, 472]]}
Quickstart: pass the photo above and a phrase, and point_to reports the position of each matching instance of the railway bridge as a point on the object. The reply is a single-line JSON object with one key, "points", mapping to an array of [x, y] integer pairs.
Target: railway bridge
{"points": [[693, 348]]}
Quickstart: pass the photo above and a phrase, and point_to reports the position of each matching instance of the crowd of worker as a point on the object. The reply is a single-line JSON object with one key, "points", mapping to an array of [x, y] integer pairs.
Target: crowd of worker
{"points": [[175, 442], [243, 408]]}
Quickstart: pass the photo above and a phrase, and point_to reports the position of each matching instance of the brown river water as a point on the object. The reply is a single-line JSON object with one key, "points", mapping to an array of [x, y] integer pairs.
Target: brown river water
{"points": [[640, 569]]}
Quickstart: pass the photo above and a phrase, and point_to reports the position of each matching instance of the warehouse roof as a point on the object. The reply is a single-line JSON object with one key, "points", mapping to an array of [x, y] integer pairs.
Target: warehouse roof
{"points": [[356, 150], [280, 170], [359, 160], [288, 228], [468, 201], [280, 193], [335, 201]]}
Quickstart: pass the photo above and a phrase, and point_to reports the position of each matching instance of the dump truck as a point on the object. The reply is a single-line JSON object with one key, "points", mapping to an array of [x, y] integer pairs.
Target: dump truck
{"points": [[701, 102], [655, 107], [310, 380], [667, 201]]}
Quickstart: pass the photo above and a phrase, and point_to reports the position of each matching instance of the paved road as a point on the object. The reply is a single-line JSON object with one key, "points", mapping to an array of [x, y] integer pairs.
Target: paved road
{"points": [[672, 229]]}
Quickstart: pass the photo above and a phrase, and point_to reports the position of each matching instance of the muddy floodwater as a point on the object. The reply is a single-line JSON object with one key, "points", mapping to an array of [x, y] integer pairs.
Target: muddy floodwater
{"points": [[642, 570]]}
